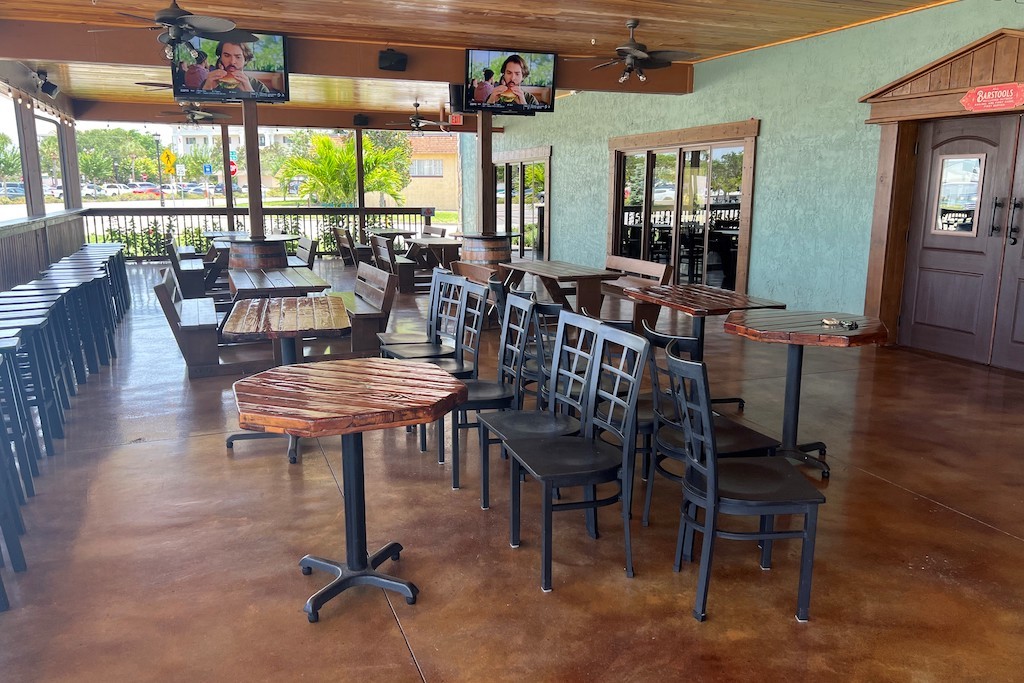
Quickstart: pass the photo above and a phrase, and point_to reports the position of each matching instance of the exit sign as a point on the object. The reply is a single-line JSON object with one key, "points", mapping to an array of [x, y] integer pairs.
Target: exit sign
{"points": [[455, 119]]}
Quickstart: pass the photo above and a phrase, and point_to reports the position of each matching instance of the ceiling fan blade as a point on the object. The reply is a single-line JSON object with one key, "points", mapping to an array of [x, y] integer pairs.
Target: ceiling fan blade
{"points": [[652, 64], [136, 16], [206, 24], [214, 116], [672, 55], [637, 51], [235, 35], [618, 60], [153, 84]]}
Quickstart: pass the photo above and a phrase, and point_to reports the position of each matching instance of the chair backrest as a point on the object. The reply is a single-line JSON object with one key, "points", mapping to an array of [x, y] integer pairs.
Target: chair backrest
{"points": [[516, 320], [432, 231], [662, 384], [384, 253], [661, 272], [376, 287], [450, 307], [574, 358], [306, 250], [615, 387], [467, 345], [693, 404], [499, 295]]}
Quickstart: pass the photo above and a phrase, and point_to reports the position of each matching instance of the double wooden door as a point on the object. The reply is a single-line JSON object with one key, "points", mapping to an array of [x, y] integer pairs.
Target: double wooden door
{"points": [[963, 292]]}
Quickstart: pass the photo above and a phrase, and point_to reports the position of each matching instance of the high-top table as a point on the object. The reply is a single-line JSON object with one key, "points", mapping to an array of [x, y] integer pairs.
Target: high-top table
{"points": [[443, 249], [284, 320], [348, 397], [799, 329], [552, 273]]}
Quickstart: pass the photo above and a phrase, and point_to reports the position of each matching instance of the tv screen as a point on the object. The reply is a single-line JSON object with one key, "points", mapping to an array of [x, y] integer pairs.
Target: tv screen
{"points": [[223, 71], [510, 82]]}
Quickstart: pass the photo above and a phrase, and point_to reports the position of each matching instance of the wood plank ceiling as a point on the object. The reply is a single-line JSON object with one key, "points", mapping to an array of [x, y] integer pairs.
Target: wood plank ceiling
{"points": [[580, 28]]}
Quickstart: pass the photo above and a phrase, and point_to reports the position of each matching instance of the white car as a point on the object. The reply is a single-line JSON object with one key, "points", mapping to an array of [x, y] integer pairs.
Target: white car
{"points": [[664, 194], [91, 190], [54, 191], [114, 189]]}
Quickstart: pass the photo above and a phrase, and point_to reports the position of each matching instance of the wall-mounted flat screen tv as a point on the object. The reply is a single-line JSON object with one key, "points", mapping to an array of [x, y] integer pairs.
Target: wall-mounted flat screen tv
{"points": [[224, 71], [510, 81]]}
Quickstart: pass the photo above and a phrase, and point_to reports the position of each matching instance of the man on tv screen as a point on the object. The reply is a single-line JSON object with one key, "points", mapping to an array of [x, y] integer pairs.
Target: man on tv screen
{"points": [[229, 75], [485, 87], [509, 91]]}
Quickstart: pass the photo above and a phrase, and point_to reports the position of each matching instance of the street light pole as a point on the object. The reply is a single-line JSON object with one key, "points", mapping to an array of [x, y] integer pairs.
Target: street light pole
{"points": [[159, 169]]}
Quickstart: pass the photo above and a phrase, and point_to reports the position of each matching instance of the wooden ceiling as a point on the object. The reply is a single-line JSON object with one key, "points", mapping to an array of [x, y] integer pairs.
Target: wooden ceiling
{"points": [[335, 62]]}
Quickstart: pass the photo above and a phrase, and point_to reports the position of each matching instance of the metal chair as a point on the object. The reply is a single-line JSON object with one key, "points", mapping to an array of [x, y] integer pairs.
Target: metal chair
{"points": [[761, 487]]}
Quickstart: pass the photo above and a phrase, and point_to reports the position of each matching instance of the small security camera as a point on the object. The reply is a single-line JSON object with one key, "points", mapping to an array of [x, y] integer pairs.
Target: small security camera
{"points": [[50, 89]]}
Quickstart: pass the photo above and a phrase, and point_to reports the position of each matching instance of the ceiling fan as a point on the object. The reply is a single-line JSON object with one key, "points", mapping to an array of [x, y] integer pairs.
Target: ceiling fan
{"points": [[635, 56], [180, 26], [418, 122], [193, 114]]}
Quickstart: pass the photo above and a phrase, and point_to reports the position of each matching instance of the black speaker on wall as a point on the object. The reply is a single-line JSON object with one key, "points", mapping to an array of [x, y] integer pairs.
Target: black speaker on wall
{"points": [[360, 120], [457, 98], [392, 60]]}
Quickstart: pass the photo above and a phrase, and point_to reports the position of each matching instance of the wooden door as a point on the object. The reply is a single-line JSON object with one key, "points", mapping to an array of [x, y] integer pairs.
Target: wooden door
{"points": [[955, 281], [1008, 335]]}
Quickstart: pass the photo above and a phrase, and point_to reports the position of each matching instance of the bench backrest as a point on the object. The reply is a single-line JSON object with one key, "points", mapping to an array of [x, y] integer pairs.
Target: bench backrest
{"points": [[476, 272], [662, 272], [376, 287], [307, 250], [171, 248], [431, 231], [169, 296], [384, 253]]}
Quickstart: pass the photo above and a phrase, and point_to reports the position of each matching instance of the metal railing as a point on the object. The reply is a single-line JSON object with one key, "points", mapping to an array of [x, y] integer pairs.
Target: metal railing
{"points": [[144, 231]]}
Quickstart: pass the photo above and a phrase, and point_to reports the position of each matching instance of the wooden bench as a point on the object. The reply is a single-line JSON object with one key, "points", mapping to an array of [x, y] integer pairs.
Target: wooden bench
{"points": [[384, 258], [350, 252], [190, 273], [635, 273], [432, 231], [371, 308], [188, 252]]}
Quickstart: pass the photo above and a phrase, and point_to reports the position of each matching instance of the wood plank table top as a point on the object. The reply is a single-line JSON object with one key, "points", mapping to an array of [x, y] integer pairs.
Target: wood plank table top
{"points": [[562, 271], [292, 316], [345, 397], [699, 301], [805, 328], [248, 283]]}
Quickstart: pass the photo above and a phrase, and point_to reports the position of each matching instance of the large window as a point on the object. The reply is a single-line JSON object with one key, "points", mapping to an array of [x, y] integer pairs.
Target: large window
{"points": [[50, 163], [683, 198], [521, 187], [12, 187]]}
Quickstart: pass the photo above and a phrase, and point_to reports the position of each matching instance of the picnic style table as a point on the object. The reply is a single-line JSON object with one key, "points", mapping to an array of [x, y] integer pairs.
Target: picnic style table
{"points": [[799, 329], [251, 283], [347, 398], [443, 249], [552, 273], [285, 320]]}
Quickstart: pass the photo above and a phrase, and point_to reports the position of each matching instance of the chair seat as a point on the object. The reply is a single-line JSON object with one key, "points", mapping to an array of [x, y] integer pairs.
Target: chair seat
{"points": [[732, 438], [523, 424], [391, 338], [751, 482], [459, 369], [579, 460], [414, 351], [486, 394]]}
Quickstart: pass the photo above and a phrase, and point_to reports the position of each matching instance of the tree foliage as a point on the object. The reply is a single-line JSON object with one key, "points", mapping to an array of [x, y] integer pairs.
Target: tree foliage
{"points": [[10, 159], [328, 174]]}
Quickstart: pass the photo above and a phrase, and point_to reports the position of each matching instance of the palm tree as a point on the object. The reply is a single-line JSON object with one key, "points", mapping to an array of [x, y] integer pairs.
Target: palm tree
{"points": [[328, 174]]}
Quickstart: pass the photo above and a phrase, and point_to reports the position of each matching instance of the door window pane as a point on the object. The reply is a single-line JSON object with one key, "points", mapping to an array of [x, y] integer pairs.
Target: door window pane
{"points": [[633, 186], [960, 179], [50, 164], [693, 215], [663, 206], [12, 187], [724, 217]]}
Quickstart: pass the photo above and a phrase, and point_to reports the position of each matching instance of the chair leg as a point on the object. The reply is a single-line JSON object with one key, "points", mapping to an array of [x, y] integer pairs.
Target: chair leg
{"points": [[423, 438], [5, 604], [684, 542], [652, 464], [589, 495], [513, 518], [767, 525], [440, 439], [803, 602], [704, 574], [627, 497], [456, 421], [485, 467], [545, 532]]}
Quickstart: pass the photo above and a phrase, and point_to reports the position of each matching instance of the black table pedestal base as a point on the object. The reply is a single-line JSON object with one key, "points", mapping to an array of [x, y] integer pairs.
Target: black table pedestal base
{"points": [[802, 454], [345, 578]]}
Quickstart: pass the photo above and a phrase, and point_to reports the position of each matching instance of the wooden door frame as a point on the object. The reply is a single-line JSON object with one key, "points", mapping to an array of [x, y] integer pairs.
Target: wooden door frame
{"points": [[529, 156], [932, 92]]}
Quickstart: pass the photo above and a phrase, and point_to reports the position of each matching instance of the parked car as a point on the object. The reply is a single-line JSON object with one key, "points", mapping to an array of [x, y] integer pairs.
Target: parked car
{"points": [[91, 190], [54, 191], [219, 188], [12, 191], [664, 193], [144, 188], [115, 189]]}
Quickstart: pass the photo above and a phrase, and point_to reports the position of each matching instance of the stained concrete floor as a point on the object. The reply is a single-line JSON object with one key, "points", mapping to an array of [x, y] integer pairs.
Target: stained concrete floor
{"points": [[156, 554]]}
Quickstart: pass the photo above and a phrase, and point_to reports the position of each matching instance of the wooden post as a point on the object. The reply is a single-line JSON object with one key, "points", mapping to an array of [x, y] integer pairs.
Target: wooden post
{"points": [[252, 163], [485, 198], [225, 157], [360, 188]]}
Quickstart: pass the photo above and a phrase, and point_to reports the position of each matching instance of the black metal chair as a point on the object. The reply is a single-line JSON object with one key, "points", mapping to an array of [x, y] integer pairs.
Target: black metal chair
{"points": [[444, 320], [761, 487], [657, 413], [612, 378]]}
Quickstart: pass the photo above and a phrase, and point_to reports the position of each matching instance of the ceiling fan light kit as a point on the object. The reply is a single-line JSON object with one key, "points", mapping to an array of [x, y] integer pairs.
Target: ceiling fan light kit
{"points": [[182, 26], [635, 57]]}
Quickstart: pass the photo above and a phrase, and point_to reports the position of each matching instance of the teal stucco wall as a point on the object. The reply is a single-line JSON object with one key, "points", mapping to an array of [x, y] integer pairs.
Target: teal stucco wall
{"points": [[816, 159]]}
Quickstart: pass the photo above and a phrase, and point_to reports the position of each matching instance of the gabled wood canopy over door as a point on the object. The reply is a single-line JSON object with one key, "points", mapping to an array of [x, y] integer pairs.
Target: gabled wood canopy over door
{"points": [[947, 253]]}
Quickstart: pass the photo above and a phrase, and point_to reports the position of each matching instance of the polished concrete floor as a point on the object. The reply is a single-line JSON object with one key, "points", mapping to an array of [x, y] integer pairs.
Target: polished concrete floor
{"points": [[156, 554]]}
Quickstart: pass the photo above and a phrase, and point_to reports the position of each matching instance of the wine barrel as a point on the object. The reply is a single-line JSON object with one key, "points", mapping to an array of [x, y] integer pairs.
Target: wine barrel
{"points": [[486, 249], [257, 254]]}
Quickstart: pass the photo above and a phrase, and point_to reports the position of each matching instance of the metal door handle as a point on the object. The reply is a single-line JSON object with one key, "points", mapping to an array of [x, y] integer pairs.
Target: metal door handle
{"points": [[996, 205], [1014, 228]]}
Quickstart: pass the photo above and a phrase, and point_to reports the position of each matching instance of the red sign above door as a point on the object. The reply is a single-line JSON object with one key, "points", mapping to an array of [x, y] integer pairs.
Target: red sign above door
{"points": [[994, 97]]}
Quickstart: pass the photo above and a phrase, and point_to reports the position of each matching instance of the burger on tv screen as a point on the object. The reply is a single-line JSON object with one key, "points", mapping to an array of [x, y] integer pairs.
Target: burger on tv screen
{"points": [[510, 82], [207, 69]]}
